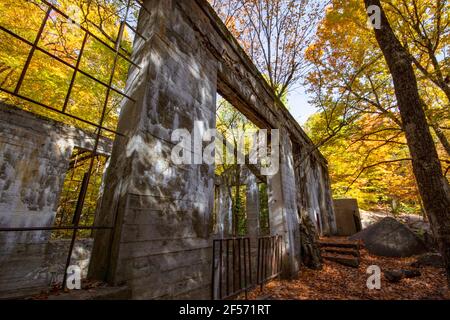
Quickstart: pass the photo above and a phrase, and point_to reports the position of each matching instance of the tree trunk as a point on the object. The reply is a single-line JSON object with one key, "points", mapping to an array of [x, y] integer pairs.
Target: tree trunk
{"points": [[433, 186]]}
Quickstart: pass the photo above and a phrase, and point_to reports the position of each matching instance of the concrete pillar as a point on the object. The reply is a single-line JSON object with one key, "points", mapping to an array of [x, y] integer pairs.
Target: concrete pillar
{"points": [[253, 212], [329, 201], [252, 207], [225, 213], [161, 246], [283, 214]]}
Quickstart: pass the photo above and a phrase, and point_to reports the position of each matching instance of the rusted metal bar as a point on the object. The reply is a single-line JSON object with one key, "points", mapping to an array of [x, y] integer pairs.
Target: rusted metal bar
{"points": [[54, 228], [227, 269], [264, 255], [213, 271], [76, 221], [63, 62], [56, 9], [258, 265], [239, 262], [234, 264], [272, 255], [269, 259], [33, 49], [249, 257], [81, 198], [63, 113], [136, 32], [77, 65], [245, 266], [87, 175], [239, 250], [220, 269]]}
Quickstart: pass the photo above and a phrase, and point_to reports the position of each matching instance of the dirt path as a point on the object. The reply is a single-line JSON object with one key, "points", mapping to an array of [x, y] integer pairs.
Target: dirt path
{"points": [[335, 281]]}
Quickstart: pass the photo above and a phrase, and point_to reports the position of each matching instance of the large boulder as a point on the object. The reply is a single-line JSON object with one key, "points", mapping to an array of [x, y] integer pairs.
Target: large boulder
{"points": [[390, 238]]}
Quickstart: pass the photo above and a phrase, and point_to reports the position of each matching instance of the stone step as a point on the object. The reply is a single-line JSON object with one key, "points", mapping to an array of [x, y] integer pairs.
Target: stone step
{"points": [[340, 244], [342, 259], [342, 251]]}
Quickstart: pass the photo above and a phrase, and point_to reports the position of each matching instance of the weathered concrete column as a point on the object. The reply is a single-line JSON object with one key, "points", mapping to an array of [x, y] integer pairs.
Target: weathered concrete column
{"points": [[329, 201], [253, 211], [225, 213], [283, 214], [161, 246], [252, 207]]}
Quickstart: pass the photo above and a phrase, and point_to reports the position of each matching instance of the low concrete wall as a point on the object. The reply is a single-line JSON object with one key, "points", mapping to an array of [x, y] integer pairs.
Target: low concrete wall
{"points": [[314, 193], [29, 268], [34, 157], [348, 219]]}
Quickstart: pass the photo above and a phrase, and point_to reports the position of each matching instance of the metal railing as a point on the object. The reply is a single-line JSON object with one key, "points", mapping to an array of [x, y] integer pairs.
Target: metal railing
{"points": [[232, 272], [232, 268], [270, 251]]}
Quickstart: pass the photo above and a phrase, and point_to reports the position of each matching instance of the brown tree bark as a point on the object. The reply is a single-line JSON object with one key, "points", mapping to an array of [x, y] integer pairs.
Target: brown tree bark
{"points": [[433, 186]]}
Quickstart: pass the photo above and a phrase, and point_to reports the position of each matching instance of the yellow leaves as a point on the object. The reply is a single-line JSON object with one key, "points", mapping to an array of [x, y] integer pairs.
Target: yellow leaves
{"points": [[313, 52], [13, 54], [97, 60], [47, 79], [367, 141], [61, 38], [22, 17]]}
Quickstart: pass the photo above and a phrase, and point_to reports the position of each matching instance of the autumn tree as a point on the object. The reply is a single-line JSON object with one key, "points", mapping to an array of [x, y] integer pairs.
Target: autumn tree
{"points": [[422, 29], [275, 34], [349, 71], [433, 187]]}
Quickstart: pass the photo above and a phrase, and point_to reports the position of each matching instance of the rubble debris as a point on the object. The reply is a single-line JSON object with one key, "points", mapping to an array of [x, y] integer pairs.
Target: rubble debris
{"points": [[397, 275], [429, 260]]}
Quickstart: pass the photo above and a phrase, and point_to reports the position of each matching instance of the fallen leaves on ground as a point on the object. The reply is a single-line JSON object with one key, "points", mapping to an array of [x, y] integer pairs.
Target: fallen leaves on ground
{"points": [[338, 282], [56, 290]]}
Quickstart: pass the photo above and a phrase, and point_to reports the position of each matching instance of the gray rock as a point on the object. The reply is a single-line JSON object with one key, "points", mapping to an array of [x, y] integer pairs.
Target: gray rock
{"points": [[397, 275], [394, 275], [429, 260], [390, 238], [411, 273]]}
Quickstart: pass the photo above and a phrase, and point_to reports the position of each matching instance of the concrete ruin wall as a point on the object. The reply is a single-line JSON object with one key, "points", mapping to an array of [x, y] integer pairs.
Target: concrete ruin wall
{"points": [[348, 218], [34, 158], [315, 198], [161, 246], [162, 212]]}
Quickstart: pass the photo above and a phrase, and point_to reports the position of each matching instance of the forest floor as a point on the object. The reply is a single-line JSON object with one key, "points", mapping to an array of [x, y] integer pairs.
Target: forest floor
{"points": [[338, 282]]}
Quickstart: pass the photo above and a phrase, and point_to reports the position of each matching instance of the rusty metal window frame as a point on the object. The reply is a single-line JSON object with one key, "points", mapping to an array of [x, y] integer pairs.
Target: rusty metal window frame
{"points": [[116, 49], [99, 127]]}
